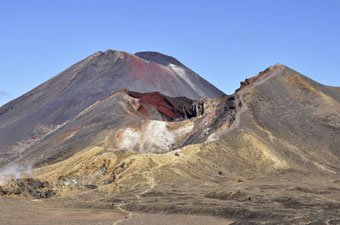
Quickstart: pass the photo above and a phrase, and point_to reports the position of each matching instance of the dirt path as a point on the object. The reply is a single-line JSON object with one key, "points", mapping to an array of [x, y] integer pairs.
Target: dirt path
{"points": [[156, 219], [152, 183], [128, 215], [244, 107]]}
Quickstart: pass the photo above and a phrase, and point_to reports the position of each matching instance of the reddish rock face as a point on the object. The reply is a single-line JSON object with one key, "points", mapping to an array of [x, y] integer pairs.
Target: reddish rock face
{"points": [[171, 108], [139, 68]]}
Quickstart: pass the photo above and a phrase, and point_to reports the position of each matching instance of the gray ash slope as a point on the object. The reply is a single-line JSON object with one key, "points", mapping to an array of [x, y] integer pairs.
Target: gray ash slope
{"points": [[63, 97]]}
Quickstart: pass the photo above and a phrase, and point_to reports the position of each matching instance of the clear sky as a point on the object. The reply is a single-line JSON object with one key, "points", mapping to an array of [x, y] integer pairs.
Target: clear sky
{"points": [[224, 41]]}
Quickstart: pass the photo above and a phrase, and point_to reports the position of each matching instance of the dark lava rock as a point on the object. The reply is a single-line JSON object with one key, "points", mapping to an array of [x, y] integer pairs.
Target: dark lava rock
{"points": [[28, 187]]}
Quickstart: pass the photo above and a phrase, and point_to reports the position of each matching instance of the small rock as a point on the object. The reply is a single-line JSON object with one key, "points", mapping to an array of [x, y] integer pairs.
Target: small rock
{"points": [[91, 186]]}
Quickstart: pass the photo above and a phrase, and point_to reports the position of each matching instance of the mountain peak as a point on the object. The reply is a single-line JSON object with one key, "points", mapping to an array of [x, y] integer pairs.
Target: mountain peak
{"points": [[97, 76], [113, 52], [277, 66], [268, 72], [158, 58]]}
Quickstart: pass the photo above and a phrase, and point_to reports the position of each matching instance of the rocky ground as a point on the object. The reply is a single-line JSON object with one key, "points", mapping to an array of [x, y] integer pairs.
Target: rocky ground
{"points": [[283, 199], [287, 198]]}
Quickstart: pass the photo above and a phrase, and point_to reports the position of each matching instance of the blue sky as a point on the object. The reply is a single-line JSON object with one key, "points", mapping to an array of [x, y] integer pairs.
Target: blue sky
{"points": [[225, 41]]}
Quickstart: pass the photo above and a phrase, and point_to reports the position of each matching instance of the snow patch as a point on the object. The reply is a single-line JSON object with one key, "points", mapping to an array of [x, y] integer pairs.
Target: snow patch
{"points": [[182, 73]]}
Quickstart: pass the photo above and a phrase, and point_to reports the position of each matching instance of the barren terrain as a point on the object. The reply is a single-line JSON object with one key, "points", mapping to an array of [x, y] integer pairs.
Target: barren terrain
{"points": [[268, 154]]}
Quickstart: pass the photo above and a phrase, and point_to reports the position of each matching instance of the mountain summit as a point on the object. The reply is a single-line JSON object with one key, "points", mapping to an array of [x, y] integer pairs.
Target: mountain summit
{"points": [[66, 95], [159, 58]]}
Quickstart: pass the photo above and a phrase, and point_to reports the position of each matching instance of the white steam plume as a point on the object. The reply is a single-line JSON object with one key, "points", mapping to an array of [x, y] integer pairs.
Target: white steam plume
{"points": [[14, 172]]}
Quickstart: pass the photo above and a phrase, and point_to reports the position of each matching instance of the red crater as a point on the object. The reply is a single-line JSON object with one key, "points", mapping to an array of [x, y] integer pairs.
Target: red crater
{"points": [[171, 108]]}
